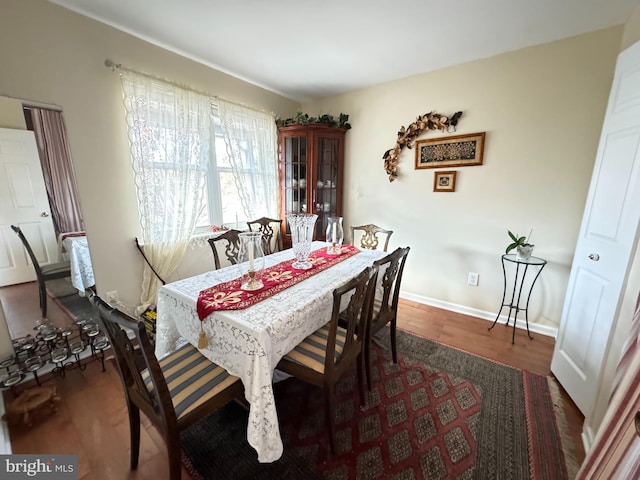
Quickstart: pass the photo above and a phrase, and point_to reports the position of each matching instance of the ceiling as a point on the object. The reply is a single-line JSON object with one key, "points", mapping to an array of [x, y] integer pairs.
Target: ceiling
{"points": [[307, 49]]}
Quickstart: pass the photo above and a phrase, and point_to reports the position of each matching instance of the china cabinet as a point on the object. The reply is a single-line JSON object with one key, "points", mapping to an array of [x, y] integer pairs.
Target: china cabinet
{"points": [[311, 159]]}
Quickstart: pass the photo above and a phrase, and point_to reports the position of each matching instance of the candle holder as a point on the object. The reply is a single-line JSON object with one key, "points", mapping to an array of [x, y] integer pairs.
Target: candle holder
{"points": [[33, 364], [51, 352], [251, 260], [335, 235]]}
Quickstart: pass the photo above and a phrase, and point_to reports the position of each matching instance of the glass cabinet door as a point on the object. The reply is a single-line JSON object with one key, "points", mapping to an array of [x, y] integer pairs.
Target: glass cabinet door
{"points": [[295, 181], [311, 159], [295, 178], [326, 174]]}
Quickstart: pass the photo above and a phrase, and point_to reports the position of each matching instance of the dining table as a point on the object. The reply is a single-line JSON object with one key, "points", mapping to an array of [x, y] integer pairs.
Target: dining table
{"points": [[249, 342], [76, 247]]}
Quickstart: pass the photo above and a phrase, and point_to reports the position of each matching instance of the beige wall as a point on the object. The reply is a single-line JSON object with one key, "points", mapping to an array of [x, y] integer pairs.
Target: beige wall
{"points": [[542, 110], [52, 55], [631, 32], [11, 115]]}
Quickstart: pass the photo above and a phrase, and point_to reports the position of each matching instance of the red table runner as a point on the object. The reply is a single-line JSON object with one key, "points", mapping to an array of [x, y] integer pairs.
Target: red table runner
{"points": [[229, 296]]}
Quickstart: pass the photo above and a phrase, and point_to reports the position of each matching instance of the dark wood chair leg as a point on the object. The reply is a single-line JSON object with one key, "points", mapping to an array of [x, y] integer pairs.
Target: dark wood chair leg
{"points": [[394, 350], [175, 458], [330, 411], [360, 368], [367, 361], [134, 430], [43, 299]]}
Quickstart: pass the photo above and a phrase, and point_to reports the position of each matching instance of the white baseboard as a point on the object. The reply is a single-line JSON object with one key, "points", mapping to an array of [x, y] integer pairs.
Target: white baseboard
{"points": [[474, 312]]}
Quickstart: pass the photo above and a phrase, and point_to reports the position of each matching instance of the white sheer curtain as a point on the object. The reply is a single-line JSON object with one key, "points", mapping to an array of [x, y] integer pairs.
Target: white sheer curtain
{"points": [[251, 137], [170, 138]]}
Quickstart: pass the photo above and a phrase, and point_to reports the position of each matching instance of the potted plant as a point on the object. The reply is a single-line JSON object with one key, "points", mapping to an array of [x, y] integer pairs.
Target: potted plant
{"points": [[342, 121], [521, 244]]}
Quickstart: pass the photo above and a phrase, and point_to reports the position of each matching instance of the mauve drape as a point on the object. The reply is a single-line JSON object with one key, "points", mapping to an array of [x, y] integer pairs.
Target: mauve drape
{"points": [[59, 175], [615, 453]]}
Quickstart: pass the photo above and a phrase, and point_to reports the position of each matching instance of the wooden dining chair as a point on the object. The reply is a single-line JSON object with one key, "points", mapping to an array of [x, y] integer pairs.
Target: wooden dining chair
{"points": [[369, 236], [385, 302], [230, 242], [270, 228], [50, 271], [174, 392], [324, 356]]}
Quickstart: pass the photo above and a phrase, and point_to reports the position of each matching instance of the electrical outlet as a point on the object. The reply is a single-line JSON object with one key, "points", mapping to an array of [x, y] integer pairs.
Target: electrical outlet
{"points": [[472, 279], [111, 297]]}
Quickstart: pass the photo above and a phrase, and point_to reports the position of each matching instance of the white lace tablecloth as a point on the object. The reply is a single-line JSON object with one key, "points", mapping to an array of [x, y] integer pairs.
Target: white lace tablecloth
{"points": [[77, 248], [250, 342]]}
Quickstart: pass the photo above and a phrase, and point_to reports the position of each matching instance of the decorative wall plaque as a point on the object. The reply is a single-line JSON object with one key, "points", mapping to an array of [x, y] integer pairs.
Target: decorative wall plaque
{"points": [[455, 151]]}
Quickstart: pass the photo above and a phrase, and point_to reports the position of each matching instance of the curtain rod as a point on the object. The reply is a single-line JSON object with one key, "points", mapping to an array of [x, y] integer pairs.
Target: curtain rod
{"points": [[113, 66]]}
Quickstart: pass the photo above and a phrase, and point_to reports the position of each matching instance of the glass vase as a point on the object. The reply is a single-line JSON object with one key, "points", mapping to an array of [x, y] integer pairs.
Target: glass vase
{"points": [[301, 226], [251, 260], [335, 235]]}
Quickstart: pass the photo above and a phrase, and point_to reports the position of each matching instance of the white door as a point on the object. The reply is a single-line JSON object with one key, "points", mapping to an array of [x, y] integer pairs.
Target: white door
{"points": [[606, 240], [23, 202]]}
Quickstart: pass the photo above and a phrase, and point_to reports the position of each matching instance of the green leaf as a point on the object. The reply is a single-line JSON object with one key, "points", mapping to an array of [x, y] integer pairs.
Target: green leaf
{"points": [[517, 241]]}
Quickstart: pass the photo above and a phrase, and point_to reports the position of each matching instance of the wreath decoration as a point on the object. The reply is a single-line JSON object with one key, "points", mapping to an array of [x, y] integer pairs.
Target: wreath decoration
{"points": [[406, 137]]}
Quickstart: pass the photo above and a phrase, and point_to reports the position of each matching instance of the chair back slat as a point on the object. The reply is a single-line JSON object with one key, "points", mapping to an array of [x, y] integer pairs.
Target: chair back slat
{"points": [[28, 248], [354, 318], [270, 229], [392, 267], [369, 238], [228, 240]]}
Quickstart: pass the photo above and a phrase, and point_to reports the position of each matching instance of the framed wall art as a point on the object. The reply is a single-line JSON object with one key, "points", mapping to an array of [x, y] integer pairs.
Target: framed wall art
{"points": [[444, 181], [454, 151]]}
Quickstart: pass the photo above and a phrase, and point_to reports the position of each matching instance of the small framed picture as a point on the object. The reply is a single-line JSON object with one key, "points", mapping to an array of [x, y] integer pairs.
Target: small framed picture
{"points": [[444, 181]]}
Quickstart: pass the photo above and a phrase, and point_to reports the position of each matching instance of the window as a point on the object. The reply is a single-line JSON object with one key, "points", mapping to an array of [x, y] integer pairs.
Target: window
{"points": [[198, 161], [242, 178], [193, 165], [223, 204]]}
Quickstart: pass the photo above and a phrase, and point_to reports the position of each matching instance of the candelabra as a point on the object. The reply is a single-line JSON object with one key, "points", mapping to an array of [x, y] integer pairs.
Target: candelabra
{"points": [[53, 350]]}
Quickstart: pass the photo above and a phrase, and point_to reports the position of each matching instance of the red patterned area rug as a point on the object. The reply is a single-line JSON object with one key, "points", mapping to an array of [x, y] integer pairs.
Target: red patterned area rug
{"points": [[440, 413]]}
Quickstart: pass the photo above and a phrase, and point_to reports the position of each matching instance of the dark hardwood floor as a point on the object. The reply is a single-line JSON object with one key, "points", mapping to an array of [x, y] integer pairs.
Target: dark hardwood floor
{"points": [[92, 418]]}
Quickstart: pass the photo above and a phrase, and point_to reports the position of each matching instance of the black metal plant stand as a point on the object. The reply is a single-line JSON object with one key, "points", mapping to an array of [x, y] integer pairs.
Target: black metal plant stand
{"points": [[518, 285]]}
